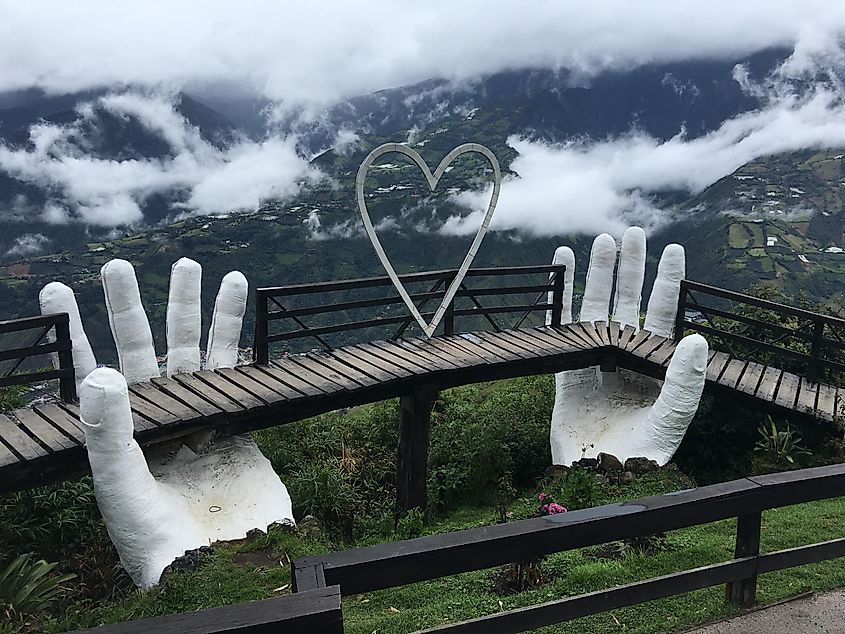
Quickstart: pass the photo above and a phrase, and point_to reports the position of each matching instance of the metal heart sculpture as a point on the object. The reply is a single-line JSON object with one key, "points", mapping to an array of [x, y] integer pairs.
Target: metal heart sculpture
{"points": [[433, 179]]}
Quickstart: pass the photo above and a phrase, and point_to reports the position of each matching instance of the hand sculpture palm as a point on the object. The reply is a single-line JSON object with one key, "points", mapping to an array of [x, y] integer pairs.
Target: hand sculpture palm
{"points": [[624, 413], [155, 512]]}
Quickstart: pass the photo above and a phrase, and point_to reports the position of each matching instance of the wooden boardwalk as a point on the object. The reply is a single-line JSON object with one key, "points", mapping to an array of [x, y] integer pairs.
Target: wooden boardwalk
{"points": [[46, 443]]}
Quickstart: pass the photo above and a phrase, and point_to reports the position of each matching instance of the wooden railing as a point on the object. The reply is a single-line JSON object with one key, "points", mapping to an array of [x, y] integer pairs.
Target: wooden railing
{"points": [[399, 563], [316, 612], [814, 342], [40, 345], [338, 307]]}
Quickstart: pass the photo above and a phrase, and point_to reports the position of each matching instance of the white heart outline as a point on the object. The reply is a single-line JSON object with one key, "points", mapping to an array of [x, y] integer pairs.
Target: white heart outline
{"points": [[433, 179]]}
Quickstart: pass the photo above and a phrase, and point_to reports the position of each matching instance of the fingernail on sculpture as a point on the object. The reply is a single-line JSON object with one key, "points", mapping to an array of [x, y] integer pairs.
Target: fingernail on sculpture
{"points": [[624, 413], [160, 505]]}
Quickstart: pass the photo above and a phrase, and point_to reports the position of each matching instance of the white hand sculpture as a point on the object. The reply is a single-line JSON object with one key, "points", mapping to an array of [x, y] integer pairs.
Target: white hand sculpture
{"points": [[624, 413], [156, 508]]}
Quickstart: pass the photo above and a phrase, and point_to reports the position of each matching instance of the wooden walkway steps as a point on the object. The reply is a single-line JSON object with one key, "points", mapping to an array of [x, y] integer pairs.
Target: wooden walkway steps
{"points": [[46, 443]]}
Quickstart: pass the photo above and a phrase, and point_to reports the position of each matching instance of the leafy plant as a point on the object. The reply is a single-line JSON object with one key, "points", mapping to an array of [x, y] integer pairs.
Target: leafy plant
{"points": [[11, 397], [780, 447], [505, 494], [27, 585], [411, 524], [579, 489]]}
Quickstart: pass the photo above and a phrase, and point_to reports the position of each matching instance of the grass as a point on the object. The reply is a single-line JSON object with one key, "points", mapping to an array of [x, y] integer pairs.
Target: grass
{"points": [[230, 574]]}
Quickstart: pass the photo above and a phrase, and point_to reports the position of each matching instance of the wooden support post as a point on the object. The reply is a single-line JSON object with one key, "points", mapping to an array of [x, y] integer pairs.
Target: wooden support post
{"points": [[744, 591], [557, 295], [67, 384], [412, 464], [680, 315], [815, 366], [260, 346]]}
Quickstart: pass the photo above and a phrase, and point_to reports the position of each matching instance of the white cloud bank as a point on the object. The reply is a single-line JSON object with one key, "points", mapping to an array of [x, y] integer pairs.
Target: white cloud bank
{"points": [[110, 192], [591, 187], [318, 51]]}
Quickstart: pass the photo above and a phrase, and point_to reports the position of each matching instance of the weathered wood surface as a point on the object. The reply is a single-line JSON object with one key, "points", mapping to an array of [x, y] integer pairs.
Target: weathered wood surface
{"points": [[46, 443]]}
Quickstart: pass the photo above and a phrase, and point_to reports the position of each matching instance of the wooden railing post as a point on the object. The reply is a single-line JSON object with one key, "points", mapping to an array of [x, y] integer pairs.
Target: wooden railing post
{"points": [[815, 365], [557, 295], [680, 315], [449, 315], [412, 464], [260, 347], [744, 591], [67, 384]]}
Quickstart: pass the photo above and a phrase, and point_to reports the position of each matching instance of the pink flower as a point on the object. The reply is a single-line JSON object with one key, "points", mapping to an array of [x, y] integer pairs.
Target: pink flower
{"points": [[554, 508], [541, 497]]}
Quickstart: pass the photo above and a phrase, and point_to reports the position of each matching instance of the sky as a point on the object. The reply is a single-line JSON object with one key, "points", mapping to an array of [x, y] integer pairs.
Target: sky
{"points": [[310, 55]]}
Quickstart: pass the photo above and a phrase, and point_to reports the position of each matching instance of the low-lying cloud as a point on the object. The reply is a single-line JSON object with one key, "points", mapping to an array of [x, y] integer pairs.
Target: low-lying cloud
{"points": [[589, 187], [111, 192], [317, 52]]}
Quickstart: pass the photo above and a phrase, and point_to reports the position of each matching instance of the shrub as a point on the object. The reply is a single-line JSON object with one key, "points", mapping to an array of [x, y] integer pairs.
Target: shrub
{"points": [[27, 585], [778, 449]]}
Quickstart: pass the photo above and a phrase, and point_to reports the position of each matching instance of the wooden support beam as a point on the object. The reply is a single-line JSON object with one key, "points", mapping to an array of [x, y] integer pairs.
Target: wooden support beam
{"points": [[412, 464]]}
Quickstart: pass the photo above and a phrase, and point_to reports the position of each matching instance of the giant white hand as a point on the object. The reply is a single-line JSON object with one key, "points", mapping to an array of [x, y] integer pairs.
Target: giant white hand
{"points": [[157, 507], [624, 413]]}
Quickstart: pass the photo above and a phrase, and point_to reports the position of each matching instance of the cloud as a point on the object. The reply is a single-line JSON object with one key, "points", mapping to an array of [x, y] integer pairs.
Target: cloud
{"points": [[111, 192], [321, 51], [591, 187], [29, 244]]}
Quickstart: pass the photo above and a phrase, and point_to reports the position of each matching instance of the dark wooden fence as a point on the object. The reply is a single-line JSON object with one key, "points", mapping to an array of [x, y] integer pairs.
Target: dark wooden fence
{"points": [[765, 331], [315, 612], [398, 563], [14, 359], [336, 308]]}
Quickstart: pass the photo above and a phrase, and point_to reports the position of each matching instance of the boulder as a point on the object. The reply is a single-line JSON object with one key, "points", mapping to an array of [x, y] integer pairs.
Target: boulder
{"points": [[640, 465], [609, 462]]}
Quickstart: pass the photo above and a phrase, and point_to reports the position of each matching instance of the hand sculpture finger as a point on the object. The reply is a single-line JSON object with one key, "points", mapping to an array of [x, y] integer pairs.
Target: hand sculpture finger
{"points": [[138, 512], [629, 278], [565, 256], [226, 322], [55, 297], [675, 407], [128, 320], [183, 317], [663, 303], [596, 303]]}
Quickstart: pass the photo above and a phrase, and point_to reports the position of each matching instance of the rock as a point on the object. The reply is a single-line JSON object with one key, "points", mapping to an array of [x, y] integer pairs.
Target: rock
{"points": [[626, 478], [640, 465], [309, 528], [556, 471], [589, 464], [189, 561], [609, 462]]}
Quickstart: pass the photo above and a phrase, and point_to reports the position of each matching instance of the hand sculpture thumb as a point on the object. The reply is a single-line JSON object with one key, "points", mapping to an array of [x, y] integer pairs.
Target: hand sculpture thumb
{"points": [[147, 525]]}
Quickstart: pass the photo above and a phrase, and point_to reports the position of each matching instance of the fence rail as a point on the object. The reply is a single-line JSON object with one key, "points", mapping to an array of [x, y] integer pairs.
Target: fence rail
{"points": [[814, 341], [399, 563], [275, 304], [52, 336]]}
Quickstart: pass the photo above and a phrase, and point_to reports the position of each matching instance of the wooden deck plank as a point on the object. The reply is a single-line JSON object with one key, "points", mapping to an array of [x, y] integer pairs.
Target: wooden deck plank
{"points": [[590, 333], [314, 373], [625, 337], [424, 358], [601, 331], [663, 355], [826, 402], [394, 363], [650, 346], [716, 365], [768, 386], [46, 433], [335, 370], [233, 391], [537, 348], [145, 409], [151, 393], [299, 381], [807, 395], [542, 342], [224, 402], [254, 373], [329, 361], [261, 389], [500, 347], [420, 346], [7, 458], [18, 441], [470, 342], [614, 329], [560, 340], [788, 390], [461, 357], [571, 334], [180, 393], [69, 425], [733, 373], [637, 340], [376, 371], [751, 379]]}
